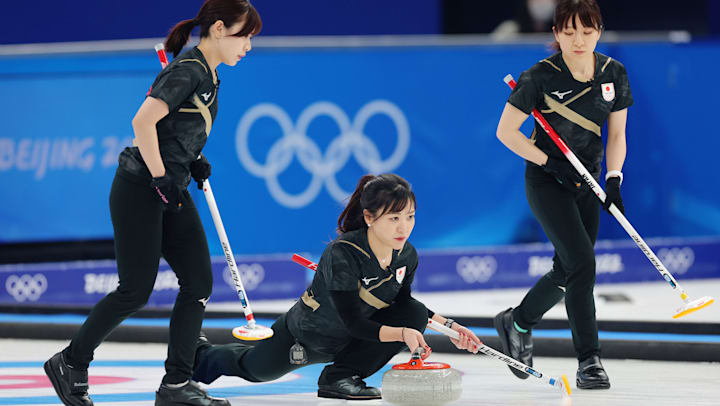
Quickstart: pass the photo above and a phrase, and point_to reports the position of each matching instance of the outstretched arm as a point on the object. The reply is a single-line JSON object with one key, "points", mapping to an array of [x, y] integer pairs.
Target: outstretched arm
{"points": [[348, 305]]}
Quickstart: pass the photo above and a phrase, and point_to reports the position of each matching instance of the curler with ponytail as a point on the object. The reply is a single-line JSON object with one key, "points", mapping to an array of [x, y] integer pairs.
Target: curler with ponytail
{"points": [[229, 12]]}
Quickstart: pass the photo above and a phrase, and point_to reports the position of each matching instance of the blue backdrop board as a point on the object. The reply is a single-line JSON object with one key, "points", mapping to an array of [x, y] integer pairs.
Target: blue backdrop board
{"points": [[297, 127]]}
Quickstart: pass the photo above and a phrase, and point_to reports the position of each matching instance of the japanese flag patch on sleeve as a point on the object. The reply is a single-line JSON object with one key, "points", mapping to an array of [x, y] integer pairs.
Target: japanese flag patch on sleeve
{"points": [[400, 274], [608, 91]]}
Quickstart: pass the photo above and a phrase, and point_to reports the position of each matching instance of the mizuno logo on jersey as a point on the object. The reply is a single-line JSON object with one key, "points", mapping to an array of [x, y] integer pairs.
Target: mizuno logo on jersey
{"points": [[368, 280], [206, 96], [204, 301], [560, 94]]}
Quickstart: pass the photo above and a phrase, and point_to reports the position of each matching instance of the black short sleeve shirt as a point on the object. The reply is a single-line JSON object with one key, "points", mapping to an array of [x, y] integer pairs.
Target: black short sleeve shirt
{"points": [[576, 110], [189, 89]]}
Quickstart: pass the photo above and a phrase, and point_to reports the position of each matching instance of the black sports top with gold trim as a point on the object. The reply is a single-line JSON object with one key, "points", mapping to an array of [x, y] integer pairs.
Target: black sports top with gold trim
{"points": [[348, 265], [190, 90], [576, 110]]}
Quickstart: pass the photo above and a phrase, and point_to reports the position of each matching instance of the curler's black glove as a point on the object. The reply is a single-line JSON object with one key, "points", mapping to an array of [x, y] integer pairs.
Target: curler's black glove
{"points": [[200, 170], [564, 172], [168, 193], [612, 190]]}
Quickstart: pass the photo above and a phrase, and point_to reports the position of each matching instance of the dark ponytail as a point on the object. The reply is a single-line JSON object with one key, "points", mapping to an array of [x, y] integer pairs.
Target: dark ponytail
{"points": [[179, 36], [388, 192], [229, 12], [352, 217]]}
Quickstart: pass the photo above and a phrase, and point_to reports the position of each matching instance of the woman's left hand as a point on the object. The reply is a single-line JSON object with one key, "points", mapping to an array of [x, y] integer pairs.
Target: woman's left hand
{"points": [[468, 340], [612, 194]]}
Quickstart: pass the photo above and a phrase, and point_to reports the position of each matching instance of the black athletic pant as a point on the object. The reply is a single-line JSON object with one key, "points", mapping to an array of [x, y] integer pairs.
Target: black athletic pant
{"points": [[570, 220], [143, 231], [270, 359]]}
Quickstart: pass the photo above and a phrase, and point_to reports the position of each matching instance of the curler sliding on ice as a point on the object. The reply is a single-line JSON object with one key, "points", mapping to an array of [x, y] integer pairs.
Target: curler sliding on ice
{"points": [[358, 311], [251, 331], [688, 306], [560, 384]]}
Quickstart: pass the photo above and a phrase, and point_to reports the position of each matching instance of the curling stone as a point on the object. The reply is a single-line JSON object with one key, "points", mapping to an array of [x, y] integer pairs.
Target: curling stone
{"points": [[420, 383]]}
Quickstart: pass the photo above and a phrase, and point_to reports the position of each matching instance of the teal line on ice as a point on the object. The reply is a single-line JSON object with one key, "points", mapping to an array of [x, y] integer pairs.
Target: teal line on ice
{"points": [[148, 322], [232, 323]]}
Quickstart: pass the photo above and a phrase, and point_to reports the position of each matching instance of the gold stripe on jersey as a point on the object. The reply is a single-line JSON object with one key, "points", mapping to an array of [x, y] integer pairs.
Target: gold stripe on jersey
{"points": [[577, 96], [310, 301], [195, 60], [551, 64], [203, 65], [571, 115], [606, 64], [203, 110], [570, 100], [370, 299], [533, 135], [381, 282], [356, 246]]}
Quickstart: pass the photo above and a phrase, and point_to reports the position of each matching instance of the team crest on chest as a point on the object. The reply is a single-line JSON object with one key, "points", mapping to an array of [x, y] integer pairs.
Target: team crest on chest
{"points": [[400, 274], [608, 91]]}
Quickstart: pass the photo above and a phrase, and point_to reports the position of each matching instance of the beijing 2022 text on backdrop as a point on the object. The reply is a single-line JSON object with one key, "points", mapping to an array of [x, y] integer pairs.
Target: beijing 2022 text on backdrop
{"points": [[298, 127]]}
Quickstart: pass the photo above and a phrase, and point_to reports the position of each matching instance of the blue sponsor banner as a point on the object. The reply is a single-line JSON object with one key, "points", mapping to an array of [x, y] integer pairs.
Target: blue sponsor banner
{"points": [[86, 282], [297, 127], [522, 265], [277, 277]]}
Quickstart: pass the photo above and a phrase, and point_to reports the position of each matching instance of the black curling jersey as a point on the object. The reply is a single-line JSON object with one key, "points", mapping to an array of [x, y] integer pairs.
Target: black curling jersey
{"points": [[190, 90], [576, 110], [348, 264]]}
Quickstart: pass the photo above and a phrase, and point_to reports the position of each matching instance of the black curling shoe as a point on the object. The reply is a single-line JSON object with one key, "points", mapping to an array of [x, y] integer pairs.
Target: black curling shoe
{"points": [[352, 388], [591, 374], [514, 343], [190, 394], [71, 385]]}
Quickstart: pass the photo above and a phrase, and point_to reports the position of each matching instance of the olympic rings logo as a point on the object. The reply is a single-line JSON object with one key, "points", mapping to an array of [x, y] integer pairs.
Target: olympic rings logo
{"points": [[251, 275], [476, 269], [352, 141], [26, 287], [677, 260]]}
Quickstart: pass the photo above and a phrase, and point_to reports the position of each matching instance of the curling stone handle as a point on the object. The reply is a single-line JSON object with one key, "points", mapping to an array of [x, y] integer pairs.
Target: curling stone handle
{"points": [[418, 353]]}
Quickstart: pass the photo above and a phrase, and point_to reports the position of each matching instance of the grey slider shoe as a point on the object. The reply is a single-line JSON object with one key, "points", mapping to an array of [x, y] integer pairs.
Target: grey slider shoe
{"points": [[191, 394]]}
